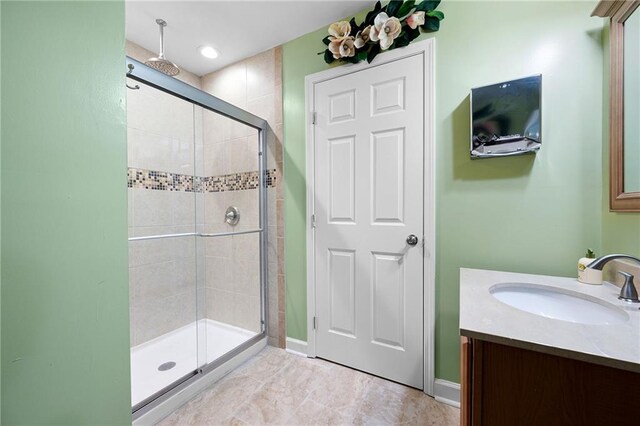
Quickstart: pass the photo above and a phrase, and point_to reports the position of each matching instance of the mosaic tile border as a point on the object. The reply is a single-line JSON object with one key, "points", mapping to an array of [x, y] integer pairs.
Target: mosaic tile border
{"points": [[165, 181]]}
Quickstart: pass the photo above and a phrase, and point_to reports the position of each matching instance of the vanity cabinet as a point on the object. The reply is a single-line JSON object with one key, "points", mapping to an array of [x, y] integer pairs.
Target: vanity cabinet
{"points": [[509, 385]]}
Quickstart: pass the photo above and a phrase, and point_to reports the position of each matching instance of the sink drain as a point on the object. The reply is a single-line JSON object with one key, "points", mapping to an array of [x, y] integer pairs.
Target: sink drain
{"points": [[166, 366]]}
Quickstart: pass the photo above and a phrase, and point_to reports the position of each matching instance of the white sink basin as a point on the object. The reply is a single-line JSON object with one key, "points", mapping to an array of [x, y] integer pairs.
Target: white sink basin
{"points": [[559, 304]]}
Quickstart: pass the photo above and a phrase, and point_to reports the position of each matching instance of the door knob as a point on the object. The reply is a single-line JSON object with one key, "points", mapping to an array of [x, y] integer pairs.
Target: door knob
{"points": [[412, 240]]}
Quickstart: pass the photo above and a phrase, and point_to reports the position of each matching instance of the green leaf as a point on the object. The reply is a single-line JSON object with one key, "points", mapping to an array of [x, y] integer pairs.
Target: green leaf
{"points": [[412, 34], [372, 15], [427, 5], [328, 56], [431, 24], [436, 14], [362, 55], [393, 7], [354, 27], [406, 8], [375, 49], [326, 40], [369, 19], [401, 41]]}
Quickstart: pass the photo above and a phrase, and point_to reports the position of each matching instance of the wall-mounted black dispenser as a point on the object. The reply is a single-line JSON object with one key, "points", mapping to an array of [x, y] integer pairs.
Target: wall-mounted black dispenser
{"points": [[506, 118]]}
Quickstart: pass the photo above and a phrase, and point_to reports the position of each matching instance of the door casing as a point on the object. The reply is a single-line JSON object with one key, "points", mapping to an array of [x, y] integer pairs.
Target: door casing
{"points": [[425, 48]]}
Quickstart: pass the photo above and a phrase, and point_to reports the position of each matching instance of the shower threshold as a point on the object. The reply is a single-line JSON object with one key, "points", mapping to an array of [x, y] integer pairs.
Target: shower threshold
{"points": [[152, 367]]}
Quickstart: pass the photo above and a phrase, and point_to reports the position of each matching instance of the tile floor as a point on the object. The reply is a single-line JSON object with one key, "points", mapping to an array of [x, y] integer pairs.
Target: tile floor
{"points": [[279, 388]]}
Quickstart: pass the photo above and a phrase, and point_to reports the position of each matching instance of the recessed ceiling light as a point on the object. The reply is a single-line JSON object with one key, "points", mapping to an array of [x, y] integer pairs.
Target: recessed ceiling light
{"points": [[208, 52]]}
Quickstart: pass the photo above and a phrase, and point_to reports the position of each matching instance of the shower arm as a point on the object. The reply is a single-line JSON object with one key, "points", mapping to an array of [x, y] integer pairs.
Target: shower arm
{"points": [[161, 23]]}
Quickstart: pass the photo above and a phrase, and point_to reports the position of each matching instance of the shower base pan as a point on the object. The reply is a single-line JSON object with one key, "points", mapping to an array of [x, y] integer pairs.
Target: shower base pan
{"points": [[152, 363]]}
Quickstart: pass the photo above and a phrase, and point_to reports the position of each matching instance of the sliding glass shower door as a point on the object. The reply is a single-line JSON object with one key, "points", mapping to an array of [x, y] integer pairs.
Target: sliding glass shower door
{"points": [[230, 233], [162, 142], [196, 240]]}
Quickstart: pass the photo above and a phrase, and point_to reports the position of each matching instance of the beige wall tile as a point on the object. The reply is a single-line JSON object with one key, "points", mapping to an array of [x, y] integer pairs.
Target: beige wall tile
{"points": [[218, 246], [246, 276], [152, 319], [277, 106], [238, 155], [246, 246], [263, 107], [215, 159], [161, 131], [219, 273], [183, 208], [260, 74], [215, 204], [220, 305], [247, 312], [153, 282], [152, 208], [147, 252], [216, 127], [277, 66], [246, 201], [199, 206], [229, 84], [237, 129]]}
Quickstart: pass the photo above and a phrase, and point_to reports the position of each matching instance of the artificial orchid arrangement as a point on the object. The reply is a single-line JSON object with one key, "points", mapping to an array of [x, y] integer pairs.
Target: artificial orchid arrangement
{"points": [[384, 28]]}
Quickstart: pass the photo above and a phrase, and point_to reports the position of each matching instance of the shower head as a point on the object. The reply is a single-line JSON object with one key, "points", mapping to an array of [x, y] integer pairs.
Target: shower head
{"points": [[161, 63]]}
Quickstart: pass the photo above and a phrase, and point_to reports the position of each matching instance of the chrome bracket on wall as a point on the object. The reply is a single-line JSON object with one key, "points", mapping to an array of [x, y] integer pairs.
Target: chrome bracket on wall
{"points": [[136, 87]]}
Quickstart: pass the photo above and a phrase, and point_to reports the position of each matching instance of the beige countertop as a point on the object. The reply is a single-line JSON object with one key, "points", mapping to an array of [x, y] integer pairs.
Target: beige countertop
{"points": [[484, 317]]}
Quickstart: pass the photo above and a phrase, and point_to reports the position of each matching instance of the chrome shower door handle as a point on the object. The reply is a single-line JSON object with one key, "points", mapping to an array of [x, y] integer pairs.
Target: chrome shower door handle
{"points": [[412, 240]]}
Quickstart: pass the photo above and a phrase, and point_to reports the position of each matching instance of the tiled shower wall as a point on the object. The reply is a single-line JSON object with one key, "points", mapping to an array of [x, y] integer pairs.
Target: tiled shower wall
{"points": [[254, 84], [163, 272], [161, 137]]}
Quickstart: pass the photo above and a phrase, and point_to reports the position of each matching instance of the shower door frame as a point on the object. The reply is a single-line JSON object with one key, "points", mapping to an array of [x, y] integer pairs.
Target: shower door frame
{"points": [[172, 86]]}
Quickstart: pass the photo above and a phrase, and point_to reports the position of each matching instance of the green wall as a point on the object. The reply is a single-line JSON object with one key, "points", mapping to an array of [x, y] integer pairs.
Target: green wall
{"points": [[534, 214], [65, 325], [0, 217]]}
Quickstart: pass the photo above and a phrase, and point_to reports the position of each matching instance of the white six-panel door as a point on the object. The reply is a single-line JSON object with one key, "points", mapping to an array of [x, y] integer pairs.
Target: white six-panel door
{"points": [[368, 198]]}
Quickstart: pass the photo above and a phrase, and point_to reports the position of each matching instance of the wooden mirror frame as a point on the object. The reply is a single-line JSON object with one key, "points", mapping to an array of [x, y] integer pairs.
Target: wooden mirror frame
{"points": [[618, 11]]}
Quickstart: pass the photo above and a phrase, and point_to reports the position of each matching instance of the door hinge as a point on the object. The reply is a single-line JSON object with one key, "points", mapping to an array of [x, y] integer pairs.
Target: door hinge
{"points": [[315, 323], [313, 221], [314, 117]]}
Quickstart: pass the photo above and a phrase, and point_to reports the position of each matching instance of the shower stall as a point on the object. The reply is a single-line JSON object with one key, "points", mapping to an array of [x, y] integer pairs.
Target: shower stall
{"points": [[197, 183]]}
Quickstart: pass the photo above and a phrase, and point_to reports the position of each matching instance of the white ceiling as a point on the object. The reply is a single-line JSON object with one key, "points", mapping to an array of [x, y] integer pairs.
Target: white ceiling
{"points": [[237, 29]]}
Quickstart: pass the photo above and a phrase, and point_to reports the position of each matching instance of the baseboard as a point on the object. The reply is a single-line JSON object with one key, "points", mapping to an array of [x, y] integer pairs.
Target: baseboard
{"points": [[443, 390], [447, 392], [295, 346]]}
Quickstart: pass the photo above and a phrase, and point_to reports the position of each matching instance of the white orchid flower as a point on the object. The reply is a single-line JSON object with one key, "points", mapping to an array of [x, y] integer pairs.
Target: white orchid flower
{"points": [[381, 18], [415, 20], [385, 30], [362, 37], [340, 30], [342, 48]]}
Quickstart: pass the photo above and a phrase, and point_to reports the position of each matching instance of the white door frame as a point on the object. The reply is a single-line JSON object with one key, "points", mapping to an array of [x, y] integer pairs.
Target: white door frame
{"points": [[425, 48]]}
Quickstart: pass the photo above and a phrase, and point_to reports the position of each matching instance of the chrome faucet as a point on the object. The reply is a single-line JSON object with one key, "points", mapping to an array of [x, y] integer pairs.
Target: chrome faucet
{"points": [[628, 292]]}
